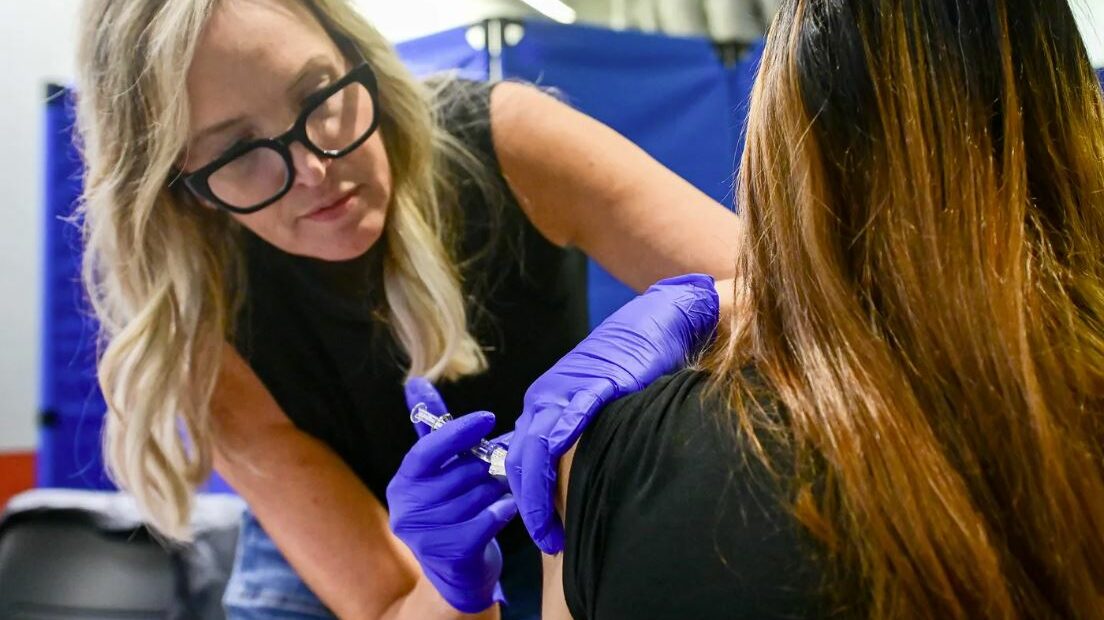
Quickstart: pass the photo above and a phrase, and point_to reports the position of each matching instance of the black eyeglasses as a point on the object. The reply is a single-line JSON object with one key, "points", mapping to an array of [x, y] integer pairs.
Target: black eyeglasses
{"points": [[334, 121]]}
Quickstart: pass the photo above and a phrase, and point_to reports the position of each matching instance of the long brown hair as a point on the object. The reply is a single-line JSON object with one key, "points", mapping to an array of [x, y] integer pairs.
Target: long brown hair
{"points": [[923, 201]]}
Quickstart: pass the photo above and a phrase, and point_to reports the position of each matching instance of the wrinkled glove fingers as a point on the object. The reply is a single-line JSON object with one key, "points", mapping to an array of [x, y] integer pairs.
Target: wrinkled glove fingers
{"points": [[456, 508], [696, 280], [526, 472], [701, 307], [513, 456], [427, 494], [457, 478], [489, 522], [478, 499], [574, 418], [538, 483], [540, 458]]}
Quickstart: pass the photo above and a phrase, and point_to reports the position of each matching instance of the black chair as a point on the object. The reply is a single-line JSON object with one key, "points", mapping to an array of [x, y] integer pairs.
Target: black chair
{"points": [[85, 555]]}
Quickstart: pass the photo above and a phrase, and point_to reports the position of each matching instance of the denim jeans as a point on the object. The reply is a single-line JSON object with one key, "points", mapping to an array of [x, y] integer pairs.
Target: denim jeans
{"points": [[264, 585]]}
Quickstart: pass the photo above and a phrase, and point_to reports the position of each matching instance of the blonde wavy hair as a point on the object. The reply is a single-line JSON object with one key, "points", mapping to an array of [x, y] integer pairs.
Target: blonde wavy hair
{"points": [[162, 271]]}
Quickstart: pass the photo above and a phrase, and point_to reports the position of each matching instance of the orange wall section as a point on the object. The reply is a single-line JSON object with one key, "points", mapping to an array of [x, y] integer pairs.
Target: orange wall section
{"points": [[17, 474]]}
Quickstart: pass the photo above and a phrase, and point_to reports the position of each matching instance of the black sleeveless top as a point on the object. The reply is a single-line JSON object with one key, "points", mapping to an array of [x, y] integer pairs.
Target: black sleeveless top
{"points": [[313, 331], [670, 516]]}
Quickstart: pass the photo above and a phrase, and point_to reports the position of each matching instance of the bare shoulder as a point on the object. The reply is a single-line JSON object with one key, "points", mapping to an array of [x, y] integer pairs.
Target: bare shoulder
{"points": [[520, 111], [511, 101], [547, 152]]}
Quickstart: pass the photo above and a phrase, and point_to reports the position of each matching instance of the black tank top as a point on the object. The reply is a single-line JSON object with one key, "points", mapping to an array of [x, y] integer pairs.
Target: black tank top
{"points": [[313, 331], [670, 515]]}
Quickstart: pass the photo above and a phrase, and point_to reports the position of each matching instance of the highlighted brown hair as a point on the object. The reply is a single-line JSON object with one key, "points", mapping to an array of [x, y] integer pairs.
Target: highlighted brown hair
{"points": [[923, 196]]}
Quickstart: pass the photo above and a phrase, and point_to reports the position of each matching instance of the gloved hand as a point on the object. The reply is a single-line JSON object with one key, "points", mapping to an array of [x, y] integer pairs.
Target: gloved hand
{"points": [[652, 335], [448, 509]]}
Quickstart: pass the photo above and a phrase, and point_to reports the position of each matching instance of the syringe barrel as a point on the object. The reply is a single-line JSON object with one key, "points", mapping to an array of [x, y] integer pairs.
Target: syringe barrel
{"points": [[492, 454]]}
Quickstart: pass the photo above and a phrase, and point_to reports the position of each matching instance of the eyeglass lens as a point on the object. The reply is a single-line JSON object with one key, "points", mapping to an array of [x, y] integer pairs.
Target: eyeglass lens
{"points": [[258, 175]]}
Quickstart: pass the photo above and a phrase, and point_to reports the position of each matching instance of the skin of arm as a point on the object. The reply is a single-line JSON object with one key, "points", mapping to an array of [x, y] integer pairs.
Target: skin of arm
{"points": [[344, 550], [553, 602], [584, 185]]}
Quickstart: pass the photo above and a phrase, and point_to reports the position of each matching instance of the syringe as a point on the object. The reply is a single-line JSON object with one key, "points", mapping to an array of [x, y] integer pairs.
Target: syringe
{"points": [[492, 454]]}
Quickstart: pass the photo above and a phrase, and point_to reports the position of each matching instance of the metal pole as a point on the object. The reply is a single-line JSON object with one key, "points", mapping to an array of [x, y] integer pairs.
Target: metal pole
{"points": [[495, 71]]}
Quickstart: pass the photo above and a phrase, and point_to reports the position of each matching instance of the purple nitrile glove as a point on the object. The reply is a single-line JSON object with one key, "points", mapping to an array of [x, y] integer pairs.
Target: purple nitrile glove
{"points": [[447, 509], [652, 335]]}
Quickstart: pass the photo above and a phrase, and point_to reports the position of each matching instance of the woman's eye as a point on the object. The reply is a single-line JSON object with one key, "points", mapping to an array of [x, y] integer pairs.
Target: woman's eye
{"points": [[314, 96], [239, 141]]}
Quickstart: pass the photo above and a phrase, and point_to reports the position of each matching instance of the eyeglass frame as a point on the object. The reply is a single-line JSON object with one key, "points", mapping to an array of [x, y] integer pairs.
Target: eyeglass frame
{"points": [[197, 181]]}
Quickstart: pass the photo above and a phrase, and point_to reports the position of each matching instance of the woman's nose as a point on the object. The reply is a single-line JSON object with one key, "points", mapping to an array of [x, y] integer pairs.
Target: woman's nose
{"points": [[310, 169]]}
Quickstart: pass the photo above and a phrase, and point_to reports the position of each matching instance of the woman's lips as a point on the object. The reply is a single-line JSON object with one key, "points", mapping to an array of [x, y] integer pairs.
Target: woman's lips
{"points": [[334, 211]]}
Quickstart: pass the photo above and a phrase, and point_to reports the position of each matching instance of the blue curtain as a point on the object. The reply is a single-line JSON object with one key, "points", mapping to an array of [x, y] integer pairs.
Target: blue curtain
{"points": [[445, 51], [741, 78], [71, 407]]}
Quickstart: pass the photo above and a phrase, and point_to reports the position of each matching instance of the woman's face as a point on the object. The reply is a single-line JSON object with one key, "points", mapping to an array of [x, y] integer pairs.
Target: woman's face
{"points": [[255, 63]]}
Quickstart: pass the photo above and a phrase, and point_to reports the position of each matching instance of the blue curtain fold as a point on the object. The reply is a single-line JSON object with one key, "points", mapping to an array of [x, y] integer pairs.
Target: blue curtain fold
{"points": [[71, 409]]}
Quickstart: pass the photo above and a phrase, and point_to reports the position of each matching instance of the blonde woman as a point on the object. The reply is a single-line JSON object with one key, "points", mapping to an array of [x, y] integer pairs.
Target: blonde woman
{"points": [[282, 225]]}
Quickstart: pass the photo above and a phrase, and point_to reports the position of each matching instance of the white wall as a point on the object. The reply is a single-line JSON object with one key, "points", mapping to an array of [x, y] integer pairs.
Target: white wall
{"points": [[1090, 17], [36, 46], [408, 19]]}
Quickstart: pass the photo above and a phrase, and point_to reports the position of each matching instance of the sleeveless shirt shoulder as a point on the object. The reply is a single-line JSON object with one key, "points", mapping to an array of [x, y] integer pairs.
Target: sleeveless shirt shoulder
{"points": [[662, 483]]}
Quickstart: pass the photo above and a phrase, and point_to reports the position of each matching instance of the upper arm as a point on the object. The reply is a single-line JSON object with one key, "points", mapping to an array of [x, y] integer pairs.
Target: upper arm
{"points": [[553, 601], [242, 407], [583, 184], [564, 480], [291, 482]]}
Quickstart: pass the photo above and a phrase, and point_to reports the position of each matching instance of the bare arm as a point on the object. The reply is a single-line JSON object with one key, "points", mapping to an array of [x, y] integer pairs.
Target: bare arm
{"points": [[553, 602], [328, 525], [583, 184]]}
